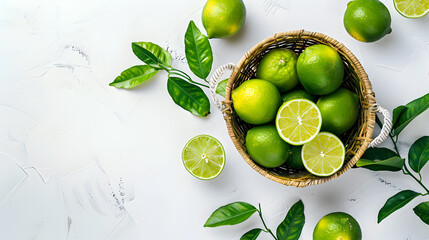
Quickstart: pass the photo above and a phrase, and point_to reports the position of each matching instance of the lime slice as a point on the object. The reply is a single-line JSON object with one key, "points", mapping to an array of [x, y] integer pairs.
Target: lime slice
{"points": [[204, 157], [298, 121], [324, 155], [412, 8]]}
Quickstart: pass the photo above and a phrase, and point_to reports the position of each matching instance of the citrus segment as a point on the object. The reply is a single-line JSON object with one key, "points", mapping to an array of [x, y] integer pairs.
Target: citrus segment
{"points": [[204, 157], [324, 155], [298, 121], [412, 8]]}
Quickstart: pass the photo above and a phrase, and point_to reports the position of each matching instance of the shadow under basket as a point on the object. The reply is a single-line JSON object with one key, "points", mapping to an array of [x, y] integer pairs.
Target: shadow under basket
{"points": [[356, 140]]}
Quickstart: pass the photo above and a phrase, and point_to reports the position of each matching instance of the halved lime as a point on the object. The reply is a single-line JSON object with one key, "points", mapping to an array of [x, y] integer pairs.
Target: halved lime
{"points": [[324, 155], [298, 121], [204, 157], [412, 8]]}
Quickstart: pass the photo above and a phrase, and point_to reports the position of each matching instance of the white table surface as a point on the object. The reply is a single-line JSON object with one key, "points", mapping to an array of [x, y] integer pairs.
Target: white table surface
{"points": [[82, 160]]}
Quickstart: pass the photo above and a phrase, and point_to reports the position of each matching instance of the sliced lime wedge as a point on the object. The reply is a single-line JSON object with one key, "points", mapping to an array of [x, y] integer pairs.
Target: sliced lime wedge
{"points": [[412, 8], [204, 157]]}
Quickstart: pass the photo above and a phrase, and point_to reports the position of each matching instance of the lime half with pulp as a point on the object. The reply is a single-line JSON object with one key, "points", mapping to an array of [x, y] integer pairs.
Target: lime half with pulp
{"points": [[204, 157], [412, 8], [324, 155], [298, 121]]}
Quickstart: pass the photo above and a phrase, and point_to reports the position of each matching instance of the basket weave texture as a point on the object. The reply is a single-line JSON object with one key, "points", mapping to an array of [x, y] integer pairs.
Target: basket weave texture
{"points": [[356, 140]]}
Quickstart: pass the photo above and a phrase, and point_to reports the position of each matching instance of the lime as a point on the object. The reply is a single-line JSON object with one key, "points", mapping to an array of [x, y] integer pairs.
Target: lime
{"points": [[412, 8], [336, 226], [299, 93], [279, 67], [298, 121], [265, 146], [223, 18], [320, 69], [324, 155], [256, 101], [203, 157], [367, 20], [340, 111], [294, 160]]}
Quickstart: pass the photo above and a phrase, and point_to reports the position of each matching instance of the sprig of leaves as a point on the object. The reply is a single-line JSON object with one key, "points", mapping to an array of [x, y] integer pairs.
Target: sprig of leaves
{"points": [[237, 212], [183, 90], [383, 159]]}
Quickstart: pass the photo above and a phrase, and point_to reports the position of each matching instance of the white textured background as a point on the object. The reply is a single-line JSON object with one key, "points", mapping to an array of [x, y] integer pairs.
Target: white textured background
{"points": [[82, 160]]}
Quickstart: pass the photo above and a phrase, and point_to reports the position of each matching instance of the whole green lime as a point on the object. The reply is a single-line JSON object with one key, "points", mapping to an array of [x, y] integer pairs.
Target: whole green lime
{"points": [[367, 20], [223, 18], [336, 226], [279, 67], [299, 93], [320, 69], [295, 160], [339, 110], [256, 101], [265, 146]]}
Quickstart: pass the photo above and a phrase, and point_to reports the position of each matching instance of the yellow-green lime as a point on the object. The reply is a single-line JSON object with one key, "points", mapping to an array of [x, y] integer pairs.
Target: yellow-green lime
{"points": [[256, 101], [299, 93], [337, 226], [412, 8], [320, 69], [367, 20], [203, 157], [265, 146], [295, 160], [340, 111], [223, 18], [324, 155], [278, 66], [298, 121]]}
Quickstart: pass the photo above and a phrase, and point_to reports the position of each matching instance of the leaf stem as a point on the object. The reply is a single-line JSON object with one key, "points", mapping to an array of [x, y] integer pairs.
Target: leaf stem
{"points": [[263, 222], [184, 75]]}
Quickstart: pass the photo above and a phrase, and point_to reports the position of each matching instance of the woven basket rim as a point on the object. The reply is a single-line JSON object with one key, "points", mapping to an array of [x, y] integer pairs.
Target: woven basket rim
{"points": [[368, 94]]}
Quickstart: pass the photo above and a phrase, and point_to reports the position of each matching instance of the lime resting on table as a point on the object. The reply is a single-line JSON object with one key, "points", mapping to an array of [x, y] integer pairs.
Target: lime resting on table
{"points": [[203, 157], [324, 155], [223, 18], [298, 121], [336, 226], [412, 8]]}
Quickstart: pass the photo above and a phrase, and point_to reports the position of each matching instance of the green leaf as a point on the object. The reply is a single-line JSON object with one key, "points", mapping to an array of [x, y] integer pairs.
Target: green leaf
{"points": [[231, 214], [422, 211], [134, 76], [252, 234], [396, 113], [413, 109], [221, 87], [381, 159], [198, 51], [188, 96], [291, 227], [152, 54], [418, 155], [396, 202]]}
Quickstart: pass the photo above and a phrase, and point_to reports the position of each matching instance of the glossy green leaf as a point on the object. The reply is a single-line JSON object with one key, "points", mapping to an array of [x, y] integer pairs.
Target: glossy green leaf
{"points": [[252, 234], [396, 113], [291, 227], [231, 214], [396, 202], [198, 51], [221, 87], [152, 54], [422, 211], [418, 155], [381, 159], [188, 96], [413, 109], [134, 76]]}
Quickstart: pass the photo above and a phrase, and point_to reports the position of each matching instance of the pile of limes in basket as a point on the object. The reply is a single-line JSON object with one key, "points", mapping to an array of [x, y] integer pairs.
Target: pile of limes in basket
{"points": [[298, 110]]}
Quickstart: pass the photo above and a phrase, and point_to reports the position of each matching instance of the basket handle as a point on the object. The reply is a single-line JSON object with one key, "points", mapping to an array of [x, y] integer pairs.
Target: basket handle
{"points": [[215, 79], [387, 125]]}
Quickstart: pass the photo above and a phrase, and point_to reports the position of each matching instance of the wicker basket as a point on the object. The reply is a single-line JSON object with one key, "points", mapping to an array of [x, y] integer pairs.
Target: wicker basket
{"points": [[356, 140]]}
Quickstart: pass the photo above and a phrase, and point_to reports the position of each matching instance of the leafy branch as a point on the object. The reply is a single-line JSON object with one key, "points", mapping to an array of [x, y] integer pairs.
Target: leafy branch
{"points": [[237, 212], [384, 159], [184, 91]]}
